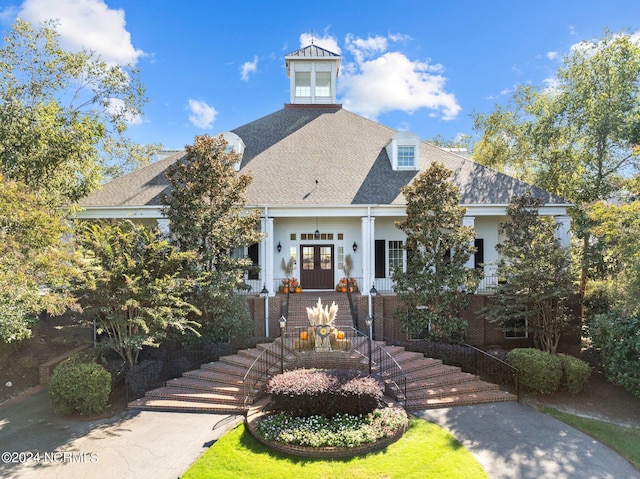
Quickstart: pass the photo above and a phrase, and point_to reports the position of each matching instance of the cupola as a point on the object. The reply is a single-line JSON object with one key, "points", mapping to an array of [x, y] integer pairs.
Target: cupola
{"points": [[312, 73]]}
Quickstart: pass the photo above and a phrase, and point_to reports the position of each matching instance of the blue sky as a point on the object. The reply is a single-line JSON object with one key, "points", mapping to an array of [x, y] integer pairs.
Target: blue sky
{"points": [[423, 65]]}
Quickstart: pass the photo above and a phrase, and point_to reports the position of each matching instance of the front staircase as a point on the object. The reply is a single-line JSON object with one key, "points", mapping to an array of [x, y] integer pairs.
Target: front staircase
{"points": [[218, 387]]}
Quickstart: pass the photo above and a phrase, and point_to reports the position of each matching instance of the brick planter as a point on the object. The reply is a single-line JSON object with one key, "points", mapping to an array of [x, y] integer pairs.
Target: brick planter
{"points": [[256, 413]]}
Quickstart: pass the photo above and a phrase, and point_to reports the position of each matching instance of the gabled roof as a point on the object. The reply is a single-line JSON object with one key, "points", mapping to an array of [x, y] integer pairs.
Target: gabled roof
{"points": [[323, 156], [312, 51]]}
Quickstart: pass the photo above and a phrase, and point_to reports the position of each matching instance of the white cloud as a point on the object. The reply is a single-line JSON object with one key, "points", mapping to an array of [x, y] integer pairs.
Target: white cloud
{"points": [[326, 41], [378, 81], [89, 24], [552, 55], [202, 115], [248, 68], [116, 105]]}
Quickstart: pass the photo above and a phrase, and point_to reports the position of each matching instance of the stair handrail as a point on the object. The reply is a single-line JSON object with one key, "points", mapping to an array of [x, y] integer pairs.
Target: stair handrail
{"points": [[514, 371], [259, 369], [394, 374]]}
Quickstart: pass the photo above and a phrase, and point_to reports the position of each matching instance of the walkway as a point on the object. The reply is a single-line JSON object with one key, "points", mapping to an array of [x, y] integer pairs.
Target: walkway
{"points": [[510, 440]]}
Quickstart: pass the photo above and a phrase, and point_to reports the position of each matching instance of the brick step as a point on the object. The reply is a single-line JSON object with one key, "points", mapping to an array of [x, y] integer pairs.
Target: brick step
{"points": [[238, 360], [218, 371], [170, 405], [461, 400], [431, 370], [232, 387], [441, 380], [402, 357], [181, 394], [419, 365], [252, 353], [438, 391]]}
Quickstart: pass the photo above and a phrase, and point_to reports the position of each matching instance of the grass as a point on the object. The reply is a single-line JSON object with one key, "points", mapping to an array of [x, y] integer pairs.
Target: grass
{"points": [[624, 440], [425, 451]]}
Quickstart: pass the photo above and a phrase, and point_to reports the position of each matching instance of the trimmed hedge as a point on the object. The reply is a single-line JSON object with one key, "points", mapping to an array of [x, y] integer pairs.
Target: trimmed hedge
{"points": [[309, 392], [540, 372], [575, 374], [545, 373], [81, 388]]}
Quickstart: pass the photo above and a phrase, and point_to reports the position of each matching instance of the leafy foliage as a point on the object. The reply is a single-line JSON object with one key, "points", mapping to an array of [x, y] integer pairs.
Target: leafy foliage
{"points": [[540, 371], [618, 338], [538, 285], [134, 284], [310, 392], [56, 107], [82, 388], [35, 266], [206, 215], [575, 374], [143, 376], [438, 249], [578, 139], [340, 431]]}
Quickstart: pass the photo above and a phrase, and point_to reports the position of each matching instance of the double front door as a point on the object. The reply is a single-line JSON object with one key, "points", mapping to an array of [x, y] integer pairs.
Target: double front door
{"points": [[317, 267]]}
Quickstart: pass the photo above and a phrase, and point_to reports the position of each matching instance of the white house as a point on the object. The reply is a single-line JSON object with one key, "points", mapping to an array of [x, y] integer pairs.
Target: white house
{"points": [[327, 182]]}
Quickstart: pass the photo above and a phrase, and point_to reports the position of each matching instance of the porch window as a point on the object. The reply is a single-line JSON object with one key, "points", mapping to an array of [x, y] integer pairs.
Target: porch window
{"points": [[478, 257], [396, 255]]}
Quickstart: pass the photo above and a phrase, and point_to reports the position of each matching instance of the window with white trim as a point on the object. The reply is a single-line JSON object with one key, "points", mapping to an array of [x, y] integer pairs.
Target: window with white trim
{"points": [[323, 84], [406, 156], [303, 84], [396, 255]]}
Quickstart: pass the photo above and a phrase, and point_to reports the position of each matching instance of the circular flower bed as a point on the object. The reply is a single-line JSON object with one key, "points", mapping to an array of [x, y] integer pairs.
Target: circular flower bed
{"points": [[320, 437]]}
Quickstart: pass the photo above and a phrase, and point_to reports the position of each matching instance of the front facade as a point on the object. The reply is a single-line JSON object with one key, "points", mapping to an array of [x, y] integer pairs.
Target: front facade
{"points": [[328, 182]]}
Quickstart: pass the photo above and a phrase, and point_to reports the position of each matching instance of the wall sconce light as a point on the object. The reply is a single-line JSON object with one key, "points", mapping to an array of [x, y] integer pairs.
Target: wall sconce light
{"points": [[355, 246], [279, 247]]}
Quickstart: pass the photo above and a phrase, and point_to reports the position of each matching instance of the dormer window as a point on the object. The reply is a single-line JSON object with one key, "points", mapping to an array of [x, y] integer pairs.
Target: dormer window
{"points": [[406, 156], [403, 151], [323, 84], [303, 85], [234, 144]]}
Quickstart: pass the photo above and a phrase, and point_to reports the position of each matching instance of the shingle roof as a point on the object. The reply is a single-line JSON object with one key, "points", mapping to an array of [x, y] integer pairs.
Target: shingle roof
{"points": [[323, 156]]}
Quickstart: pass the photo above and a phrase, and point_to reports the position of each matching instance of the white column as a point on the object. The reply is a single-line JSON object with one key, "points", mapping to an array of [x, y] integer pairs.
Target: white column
{"points": [[470, 221], [563, 231], [366, 253], [268, 256]]}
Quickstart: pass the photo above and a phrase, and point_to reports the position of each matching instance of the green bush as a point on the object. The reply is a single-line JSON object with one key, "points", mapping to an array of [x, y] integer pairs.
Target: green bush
{"points": [[310, 392], [575, 374], [540, 372], [81, 388], [618, 339], [143, 376]]}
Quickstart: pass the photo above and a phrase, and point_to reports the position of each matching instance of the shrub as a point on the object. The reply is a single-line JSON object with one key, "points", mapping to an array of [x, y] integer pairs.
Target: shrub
{"points": [[309, 392], [575, 374], [539, 371], [618, 339], [143, 377], [82, 388]]}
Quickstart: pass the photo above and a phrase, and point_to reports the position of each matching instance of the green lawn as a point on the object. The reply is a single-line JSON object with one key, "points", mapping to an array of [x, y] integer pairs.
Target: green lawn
{"points": [[425, 451], [624, 440]]}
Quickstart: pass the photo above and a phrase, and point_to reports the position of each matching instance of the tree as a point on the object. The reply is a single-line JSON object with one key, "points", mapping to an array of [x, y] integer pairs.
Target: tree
{"points": [[134, 284], [56, 109], [536, 287], [207, 216], [36, 267], [578, 138], [436, 277]]}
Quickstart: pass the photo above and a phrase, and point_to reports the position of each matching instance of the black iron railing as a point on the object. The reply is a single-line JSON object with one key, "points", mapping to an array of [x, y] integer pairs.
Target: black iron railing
{"points": [[472, 360], [274, 358]]}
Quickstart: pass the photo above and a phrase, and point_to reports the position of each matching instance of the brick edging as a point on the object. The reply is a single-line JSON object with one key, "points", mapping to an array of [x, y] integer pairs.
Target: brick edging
{"points": [[255, 413]]}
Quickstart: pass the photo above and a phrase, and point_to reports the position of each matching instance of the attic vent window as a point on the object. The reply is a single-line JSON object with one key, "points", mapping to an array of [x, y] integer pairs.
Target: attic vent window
{"points": [[303, 84], [406, 156]]}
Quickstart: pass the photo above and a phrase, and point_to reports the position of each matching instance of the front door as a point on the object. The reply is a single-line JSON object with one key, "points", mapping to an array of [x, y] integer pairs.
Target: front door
{"points": [[317, 267]]}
